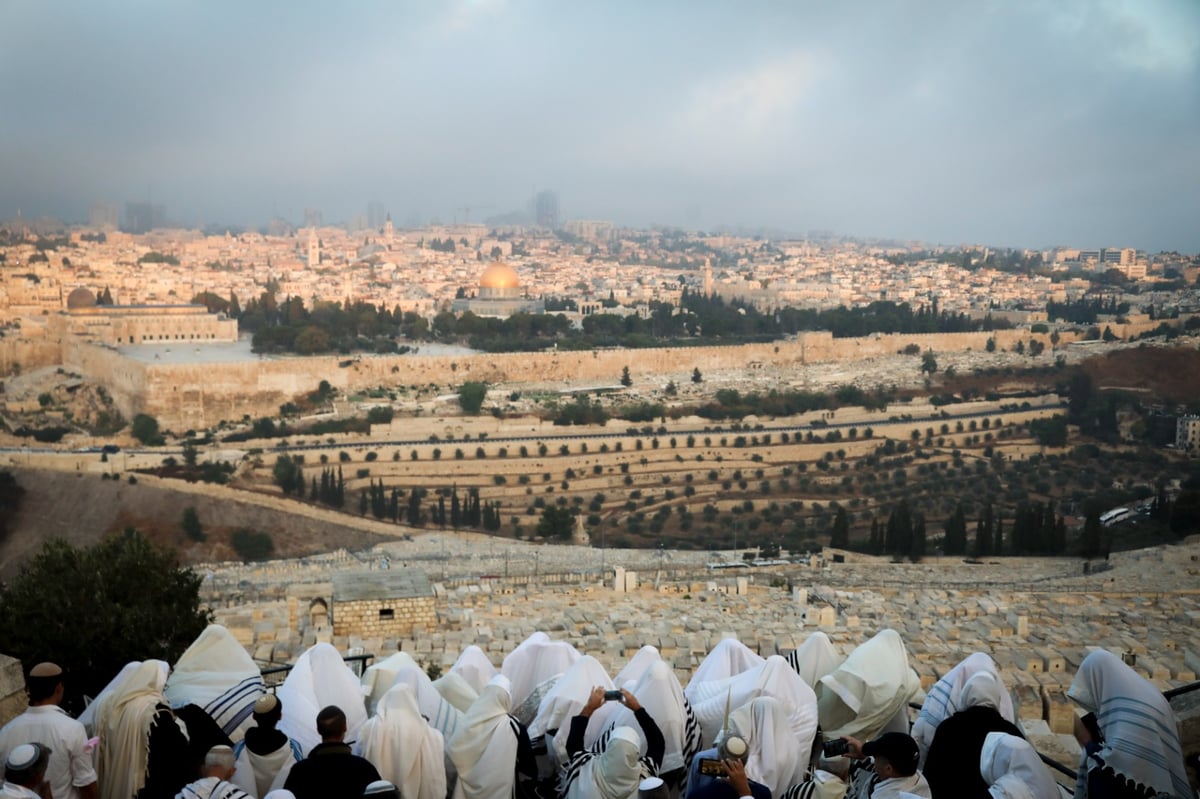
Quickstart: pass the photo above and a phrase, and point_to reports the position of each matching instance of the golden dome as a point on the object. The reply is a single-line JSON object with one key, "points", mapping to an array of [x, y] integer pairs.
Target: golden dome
{"points": [[499, 276], [81, 298]]}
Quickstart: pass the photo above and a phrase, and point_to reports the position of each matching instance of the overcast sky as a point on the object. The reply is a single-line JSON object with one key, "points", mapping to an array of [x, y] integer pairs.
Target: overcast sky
{"points": [[1001, 122]]}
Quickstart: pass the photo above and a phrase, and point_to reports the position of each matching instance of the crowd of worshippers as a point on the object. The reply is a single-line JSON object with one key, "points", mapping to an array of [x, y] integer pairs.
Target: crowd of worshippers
{"points": [[551, 722]]}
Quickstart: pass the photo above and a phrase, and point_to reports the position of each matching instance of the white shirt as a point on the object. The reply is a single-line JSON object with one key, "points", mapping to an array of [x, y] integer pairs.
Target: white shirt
{"points": [[70, 766]]}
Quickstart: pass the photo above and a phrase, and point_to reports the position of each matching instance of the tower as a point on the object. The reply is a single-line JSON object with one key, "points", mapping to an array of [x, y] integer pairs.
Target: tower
{"points": [[314, 249], [708, 284]]}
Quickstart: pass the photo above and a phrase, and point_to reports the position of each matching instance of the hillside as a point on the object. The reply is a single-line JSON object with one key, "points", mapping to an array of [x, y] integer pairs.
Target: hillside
{"points": [[84, 508]]}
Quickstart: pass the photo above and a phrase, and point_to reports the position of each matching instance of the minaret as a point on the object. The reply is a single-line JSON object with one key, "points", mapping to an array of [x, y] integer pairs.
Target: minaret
{"points": [[708, 284], [388, 229], [314, 248]]}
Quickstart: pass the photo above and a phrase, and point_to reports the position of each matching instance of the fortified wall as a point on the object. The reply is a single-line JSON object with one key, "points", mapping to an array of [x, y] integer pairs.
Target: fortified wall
{"points": [[195, 396]]}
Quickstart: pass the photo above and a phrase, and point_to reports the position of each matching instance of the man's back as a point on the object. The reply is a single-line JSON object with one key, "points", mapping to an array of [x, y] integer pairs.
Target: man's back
{"points": [[70, 764], [331, 771]]}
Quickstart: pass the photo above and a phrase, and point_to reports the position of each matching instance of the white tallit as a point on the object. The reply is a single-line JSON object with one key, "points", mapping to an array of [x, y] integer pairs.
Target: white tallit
{"points": [[1141, 742], [868, 690], [534, 661], [775, 759], [638, 665], [403, 747], [88, 717], [474, 666], [1013, 770], [444, 716], [729, 658], [612, 774], [319, 679], [814, 658], [945, 699], [659, 692], [123, 721], [773, 678], [568, 696], [484, 750], [216, 673], [455, 689]]}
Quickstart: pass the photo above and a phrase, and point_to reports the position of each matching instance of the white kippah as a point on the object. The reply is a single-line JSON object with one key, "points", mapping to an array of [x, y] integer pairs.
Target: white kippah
{"points": [[22, 757]]}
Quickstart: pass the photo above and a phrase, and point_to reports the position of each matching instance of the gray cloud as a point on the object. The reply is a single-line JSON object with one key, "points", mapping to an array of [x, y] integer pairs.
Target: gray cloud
{"points": [[1020, 123]]}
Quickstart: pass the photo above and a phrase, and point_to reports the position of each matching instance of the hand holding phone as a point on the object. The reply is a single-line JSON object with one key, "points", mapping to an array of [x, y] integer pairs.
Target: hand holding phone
{"points": [[614, 696]]}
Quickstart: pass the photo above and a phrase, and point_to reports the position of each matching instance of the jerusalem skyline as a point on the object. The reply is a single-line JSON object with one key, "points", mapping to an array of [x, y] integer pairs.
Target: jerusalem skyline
{"points": [[1012, 124]]}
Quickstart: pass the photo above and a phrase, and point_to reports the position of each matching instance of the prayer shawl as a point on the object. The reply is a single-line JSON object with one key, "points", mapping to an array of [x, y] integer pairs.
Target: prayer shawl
{"points": [[216, 674], [484, 750], [1141, 744], [88, 717], [444, 716], [123, 721], [868, 786], [659, 692], [319, 679], [259, 775], [945, 699], [211, 788], [534, 661], [612, 773], [775, 758], [567, 698], [456, 690], [474, 667], [773, 678], [379, 677], [815, 658], [867, 691], [1011, 766], [638, 665], [728, 658], [403, 747]]}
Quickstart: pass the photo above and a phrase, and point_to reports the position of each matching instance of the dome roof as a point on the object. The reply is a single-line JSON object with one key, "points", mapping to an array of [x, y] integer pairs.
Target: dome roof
{"points": [[499, 276], [81, 298]]}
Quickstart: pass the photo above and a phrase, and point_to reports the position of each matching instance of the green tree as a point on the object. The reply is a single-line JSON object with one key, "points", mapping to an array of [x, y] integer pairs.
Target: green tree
{"points": [[251, 544], [471, 395], [929, 363], [556, 522], [311, 340], [189, 454], [840, 538], [10, 501], [696, 376], [288, 475], [626, 380], [191, 524], [145, 430], [92, 610], [1090, 542]]}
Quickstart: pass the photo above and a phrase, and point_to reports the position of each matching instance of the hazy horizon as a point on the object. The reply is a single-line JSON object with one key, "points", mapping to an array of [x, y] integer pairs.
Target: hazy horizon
{"points": [[1021, 123]]}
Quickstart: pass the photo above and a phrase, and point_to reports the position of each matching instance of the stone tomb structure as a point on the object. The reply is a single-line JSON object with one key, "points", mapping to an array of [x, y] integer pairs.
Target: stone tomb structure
{"points": [[389, 603]]}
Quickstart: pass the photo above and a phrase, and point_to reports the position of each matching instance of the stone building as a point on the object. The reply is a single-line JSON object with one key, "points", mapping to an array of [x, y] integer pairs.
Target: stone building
{"points": [[382, 604], [117, 325]]}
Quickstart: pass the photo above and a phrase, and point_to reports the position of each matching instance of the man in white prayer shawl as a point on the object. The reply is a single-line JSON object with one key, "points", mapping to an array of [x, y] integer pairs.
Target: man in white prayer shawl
{"points": [[487, 749], [658, 690], [729, 658], [870, 691], [217, 675], [143, 751], [88, 717], [403, 670], [612, 768], [405, 750], [565, 700], [775, 758], [319, 679], [454, 688], [945, 699], [712, 700], [474, 666], [1137, 751], [534, 661], [815, 658], [265, 756], [1012, 769]]}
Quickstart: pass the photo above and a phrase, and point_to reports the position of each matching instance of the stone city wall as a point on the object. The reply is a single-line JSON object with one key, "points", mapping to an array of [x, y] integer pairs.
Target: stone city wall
{"points": [[195, 396], [363, 617]]}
